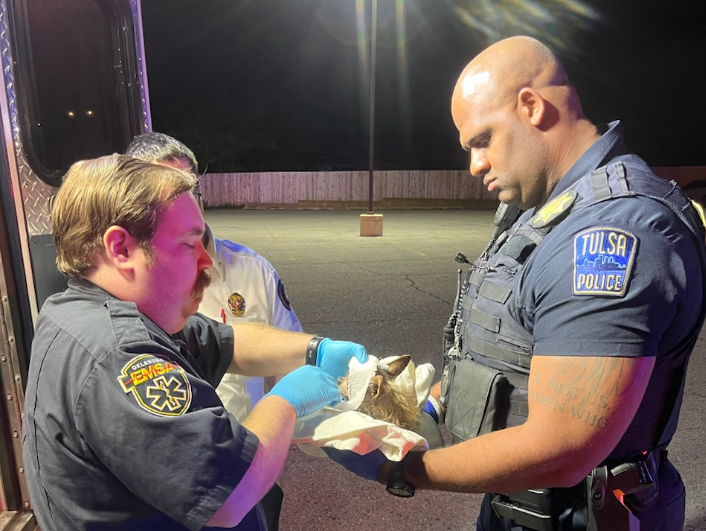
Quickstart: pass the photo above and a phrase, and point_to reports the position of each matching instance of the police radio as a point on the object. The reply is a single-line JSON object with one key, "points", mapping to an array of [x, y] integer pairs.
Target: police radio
{"points": [[505, 216]]}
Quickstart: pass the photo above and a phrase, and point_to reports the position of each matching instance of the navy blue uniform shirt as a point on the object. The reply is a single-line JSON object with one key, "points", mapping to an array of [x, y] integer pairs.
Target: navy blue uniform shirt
{"points": [[123, 428], [660, 300]]}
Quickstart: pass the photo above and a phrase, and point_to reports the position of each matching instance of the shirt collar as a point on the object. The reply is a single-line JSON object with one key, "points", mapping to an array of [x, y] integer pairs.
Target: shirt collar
{"points": [[89, 290], [608, 146], [85, 289]]}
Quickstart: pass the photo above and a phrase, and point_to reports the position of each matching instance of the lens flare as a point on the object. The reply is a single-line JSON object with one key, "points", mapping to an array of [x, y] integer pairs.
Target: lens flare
{"points": [[554, 22]]}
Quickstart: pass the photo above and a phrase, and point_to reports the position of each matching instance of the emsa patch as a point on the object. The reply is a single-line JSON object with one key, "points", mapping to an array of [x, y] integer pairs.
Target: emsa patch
{"points": [[603, 259], [159, 386]]}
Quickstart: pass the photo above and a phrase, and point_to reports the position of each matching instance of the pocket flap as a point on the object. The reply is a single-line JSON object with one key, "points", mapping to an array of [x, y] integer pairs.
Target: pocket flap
{"points": [[478, 400]]}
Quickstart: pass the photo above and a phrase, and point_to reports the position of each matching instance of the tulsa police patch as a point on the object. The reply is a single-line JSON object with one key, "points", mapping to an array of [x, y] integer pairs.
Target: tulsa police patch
{"points": [[159, 386], [603, 259]]}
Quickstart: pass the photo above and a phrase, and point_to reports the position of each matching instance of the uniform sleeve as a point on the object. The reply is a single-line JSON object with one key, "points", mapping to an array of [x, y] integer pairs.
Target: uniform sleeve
{"points": [[163, 433], [283, 315], [612, 282], [211, 343]]}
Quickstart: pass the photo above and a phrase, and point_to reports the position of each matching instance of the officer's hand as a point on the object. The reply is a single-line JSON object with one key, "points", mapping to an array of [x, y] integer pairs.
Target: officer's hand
{"points": [[333, 356], [307, 389], [365, 466]]}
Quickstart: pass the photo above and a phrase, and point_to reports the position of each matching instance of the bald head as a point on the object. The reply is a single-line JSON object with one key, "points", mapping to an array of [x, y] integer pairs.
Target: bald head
{"points": [[520, 120], [500, 72]]}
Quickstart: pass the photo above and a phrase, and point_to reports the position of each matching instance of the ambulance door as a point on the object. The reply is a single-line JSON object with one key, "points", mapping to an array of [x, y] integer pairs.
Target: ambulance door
{"points": [[74, 87]]}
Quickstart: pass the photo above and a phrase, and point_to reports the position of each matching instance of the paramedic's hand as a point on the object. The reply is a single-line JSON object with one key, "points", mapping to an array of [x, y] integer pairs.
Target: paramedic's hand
{"points": [[365, 466], [333, 356], [307, 389]]}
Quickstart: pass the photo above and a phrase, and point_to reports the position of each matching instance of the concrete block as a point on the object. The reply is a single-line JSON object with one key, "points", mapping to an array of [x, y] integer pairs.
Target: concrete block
{"points": [[371, 224]]}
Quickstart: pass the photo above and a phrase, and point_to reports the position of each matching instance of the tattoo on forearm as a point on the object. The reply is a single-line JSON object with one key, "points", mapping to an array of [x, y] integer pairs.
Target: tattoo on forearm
{"points": [[573, 390]]}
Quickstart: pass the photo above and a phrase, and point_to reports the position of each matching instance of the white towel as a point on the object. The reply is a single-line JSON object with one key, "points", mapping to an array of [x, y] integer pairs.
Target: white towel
{"points": [[339, 427]]}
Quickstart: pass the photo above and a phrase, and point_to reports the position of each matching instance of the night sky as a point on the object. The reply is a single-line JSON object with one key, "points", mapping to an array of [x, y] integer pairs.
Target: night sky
{"points": [[282, 85]]}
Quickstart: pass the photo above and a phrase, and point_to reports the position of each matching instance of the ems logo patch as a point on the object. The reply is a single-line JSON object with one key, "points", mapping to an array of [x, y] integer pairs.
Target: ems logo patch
{"points": [[603, 259], [236, 304], [159, 386]]}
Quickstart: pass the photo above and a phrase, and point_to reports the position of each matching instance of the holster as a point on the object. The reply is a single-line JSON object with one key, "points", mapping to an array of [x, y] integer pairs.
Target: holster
{"points": [[639, 480], [605, 511], [636, 482]]}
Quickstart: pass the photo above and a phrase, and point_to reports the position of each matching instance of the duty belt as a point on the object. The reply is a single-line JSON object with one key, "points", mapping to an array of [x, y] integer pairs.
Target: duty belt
{"points": [[634, 482]]}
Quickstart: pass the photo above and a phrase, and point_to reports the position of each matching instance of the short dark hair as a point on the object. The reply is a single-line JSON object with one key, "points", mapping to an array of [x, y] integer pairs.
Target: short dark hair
{"points": [[158, 147]]}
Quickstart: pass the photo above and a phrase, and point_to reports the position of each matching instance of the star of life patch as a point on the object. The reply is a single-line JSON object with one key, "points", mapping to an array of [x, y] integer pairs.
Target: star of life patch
{"points": [[603, 259], [159, 386]]}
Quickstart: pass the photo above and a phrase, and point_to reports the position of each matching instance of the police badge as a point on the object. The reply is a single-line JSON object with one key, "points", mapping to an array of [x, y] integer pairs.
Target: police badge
{"points": [[236, 304]]}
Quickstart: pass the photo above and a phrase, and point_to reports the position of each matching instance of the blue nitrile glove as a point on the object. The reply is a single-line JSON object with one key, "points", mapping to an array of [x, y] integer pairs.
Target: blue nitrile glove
{"points": [[308, 389], [333, 356], [365, 466]]}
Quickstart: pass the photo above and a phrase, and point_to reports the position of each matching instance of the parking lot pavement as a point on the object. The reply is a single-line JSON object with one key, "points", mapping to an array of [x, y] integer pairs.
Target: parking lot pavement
{"points": [[394, 294]]}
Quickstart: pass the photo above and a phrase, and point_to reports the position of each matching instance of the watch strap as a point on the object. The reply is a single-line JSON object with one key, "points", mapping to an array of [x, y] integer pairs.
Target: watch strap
{"points": [[396, 484], [312, 350]]}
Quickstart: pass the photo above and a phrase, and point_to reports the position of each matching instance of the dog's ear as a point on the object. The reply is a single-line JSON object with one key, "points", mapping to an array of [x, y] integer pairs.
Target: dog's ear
{"points": [[397, 366], [375, 387]]}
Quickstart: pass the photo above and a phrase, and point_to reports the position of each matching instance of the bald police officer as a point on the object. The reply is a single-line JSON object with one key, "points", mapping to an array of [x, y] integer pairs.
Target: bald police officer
{"points": [[567, 353]]}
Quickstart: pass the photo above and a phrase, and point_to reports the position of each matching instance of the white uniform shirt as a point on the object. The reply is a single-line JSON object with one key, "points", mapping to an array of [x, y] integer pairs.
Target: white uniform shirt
{"points": [[244, 288]]}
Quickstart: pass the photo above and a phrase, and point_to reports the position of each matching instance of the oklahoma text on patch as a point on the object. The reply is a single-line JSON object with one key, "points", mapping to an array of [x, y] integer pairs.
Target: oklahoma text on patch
{"points": [[603, 259], [159, 386]]}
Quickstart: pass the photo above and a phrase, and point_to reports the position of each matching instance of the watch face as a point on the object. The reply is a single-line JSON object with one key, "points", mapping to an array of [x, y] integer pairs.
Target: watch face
{"points": [[402, 492], [396, 484]]}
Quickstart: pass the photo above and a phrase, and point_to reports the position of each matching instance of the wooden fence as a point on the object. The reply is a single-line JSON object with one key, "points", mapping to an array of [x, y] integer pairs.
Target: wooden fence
{"points": [[392, 189], [346, 189]]}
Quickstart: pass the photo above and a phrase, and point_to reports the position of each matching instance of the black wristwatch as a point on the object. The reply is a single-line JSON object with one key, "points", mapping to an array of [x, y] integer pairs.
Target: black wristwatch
{"points": [[396, 484], [312, 350]]}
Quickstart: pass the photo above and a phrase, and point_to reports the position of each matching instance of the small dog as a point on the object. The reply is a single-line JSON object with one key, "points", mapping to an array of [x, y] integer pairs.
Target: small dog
{"points": [[386, 401]]}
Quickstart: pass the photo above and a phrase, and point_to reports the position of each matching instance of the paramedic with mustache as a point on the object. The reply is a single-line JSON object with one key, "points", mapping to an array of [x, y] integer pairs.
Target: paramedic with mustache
{"points": [[123, 428], [567, 366], [244, 288]]}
